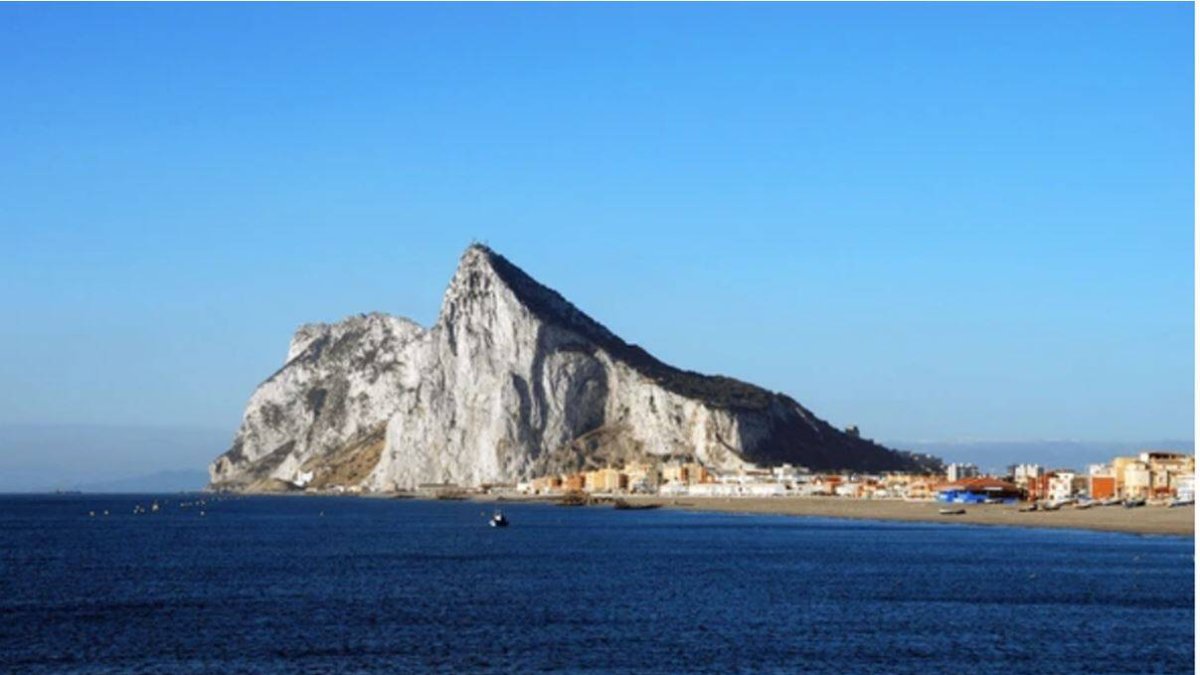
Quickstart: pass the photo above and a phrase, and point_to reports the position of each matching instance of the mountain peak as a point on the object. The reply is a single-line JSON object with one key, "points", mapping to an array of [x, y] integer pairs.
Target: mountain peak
{"points": [[476, 253], [550, 307], [513, 381]]}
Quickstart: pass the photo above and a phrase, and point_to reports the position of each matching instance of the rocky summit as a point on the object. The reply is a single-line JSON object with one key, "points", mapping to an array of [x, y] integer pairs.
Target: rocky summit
{"points": [[511, 382]]}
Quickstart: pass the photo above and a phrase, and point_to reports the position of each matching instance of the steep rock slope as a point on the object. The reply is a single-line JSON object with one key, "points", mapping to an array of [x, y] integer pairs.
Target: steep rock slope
{"points": [[511, 381]]}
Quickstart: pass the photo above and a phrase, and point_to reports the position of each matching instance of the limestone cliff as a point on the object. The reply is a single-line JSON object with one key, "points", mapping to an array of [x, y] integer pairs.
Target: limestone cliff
{"points": [[512, 381]]}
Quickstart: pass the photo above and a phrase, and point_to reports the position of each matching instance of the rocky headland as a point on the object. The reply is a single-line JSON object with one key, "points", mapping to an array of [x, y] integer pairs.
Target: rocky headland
{"points": [[512, 381]]}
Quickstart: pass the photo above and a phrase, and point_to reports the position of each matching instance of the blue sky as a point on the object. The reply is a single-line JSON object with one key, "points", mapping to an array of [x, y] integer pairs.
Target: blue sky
{"points": [[933, 221]]}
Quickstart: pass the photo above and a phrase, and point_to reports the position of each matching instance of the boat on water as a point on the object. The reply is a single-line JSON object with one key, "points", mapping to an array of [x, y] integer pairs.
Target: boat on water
{"points": [[952, 512], [498, 520]]}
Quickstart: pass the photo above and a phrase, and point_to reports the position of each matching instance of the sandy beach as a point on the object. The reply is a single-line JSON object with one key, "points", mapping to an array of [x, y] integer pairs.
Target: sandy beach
{"points": [[1145, 520]]}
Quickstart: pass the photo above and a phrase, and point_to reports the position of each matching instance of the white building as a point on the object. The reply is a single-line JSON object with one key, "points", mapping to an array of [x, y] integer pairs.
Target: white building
{"points": [[1025, 472], [1060, 486], [787, 473], [1136, 480], [764, 490], [755, 489], [712, 490], [847, 489], [1185, 487], [673, 489], [810, 489], [957, 471]]}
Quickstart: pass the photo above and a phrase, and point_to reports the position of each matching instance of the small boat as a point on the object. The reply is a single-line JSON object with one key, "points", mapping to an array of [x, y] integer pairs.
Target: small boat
{"points": [[1084, 504], [1051, 506], [1061, 502], [498, 520], [1175, 503], [1134, 503], [952, 512], [1028, 509]]}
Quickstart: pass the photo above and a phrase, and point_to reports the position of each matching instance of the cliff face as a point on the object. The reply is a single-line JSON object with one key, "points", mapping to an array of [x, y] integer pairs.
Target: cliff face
{"points": [[512, 381]]}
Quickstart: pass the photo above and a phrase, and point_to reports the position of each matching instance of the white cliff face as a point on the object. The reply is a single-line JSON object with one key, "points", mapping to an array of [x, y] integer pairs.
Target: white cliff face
{"points": [[340, 381], [511, 382]]}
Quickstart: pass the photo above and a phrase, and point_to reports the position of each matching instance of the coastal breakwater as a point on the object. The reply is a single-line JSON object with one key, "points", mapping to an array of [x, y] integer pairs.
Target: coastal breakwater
{"points": [[511, 382]]}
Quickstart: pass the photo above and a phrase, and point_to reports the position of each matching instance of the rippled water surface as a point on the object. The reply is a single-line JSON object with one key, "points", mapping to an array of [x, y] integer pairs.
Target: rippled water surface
{"points": [[372, 585]]}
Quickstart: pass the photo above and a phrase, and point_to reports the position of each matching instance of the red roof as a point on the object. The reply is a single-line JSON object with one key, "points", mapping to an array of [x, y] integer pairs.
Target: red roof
{"points": [[982, 484]]}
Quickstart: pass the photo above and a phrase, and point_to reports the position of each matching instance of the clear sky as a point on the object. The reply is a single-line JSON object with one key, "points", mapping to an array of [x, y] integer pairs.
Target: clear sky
{"points": [[933, 221]]}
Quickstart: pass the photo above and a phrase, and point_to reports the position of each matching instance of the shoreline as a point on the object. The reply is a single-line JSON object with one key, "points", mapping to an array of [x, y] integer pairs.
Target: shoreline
{"points": [[1146, 520]]}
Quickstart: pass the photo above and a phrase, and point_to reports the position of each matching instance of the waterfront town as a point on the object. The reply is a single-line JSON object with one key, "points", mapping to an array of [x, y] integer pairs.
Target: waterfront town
{"points": [[1150, 477]]}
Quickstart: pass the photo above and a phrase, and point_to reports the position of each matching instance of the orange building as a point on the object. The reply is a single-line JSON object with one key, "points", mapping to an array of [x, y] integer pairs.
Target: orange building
{"points": [[1102, 487], [696, 473], [544, 484], [686, 474], [605, 480]]}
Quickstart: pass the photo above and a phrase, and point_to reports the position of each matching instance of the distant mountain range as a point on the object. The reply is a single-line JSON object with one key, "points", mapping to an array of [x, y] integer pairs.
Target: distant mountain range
{"points": [[996, 455], [45, 457], [179, 480]]}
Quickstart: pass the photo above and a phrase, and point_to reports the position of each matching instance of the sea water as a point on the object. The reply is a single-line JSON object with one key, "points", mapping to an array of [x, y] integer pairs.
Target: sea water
{"points": [[312, 585]]}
